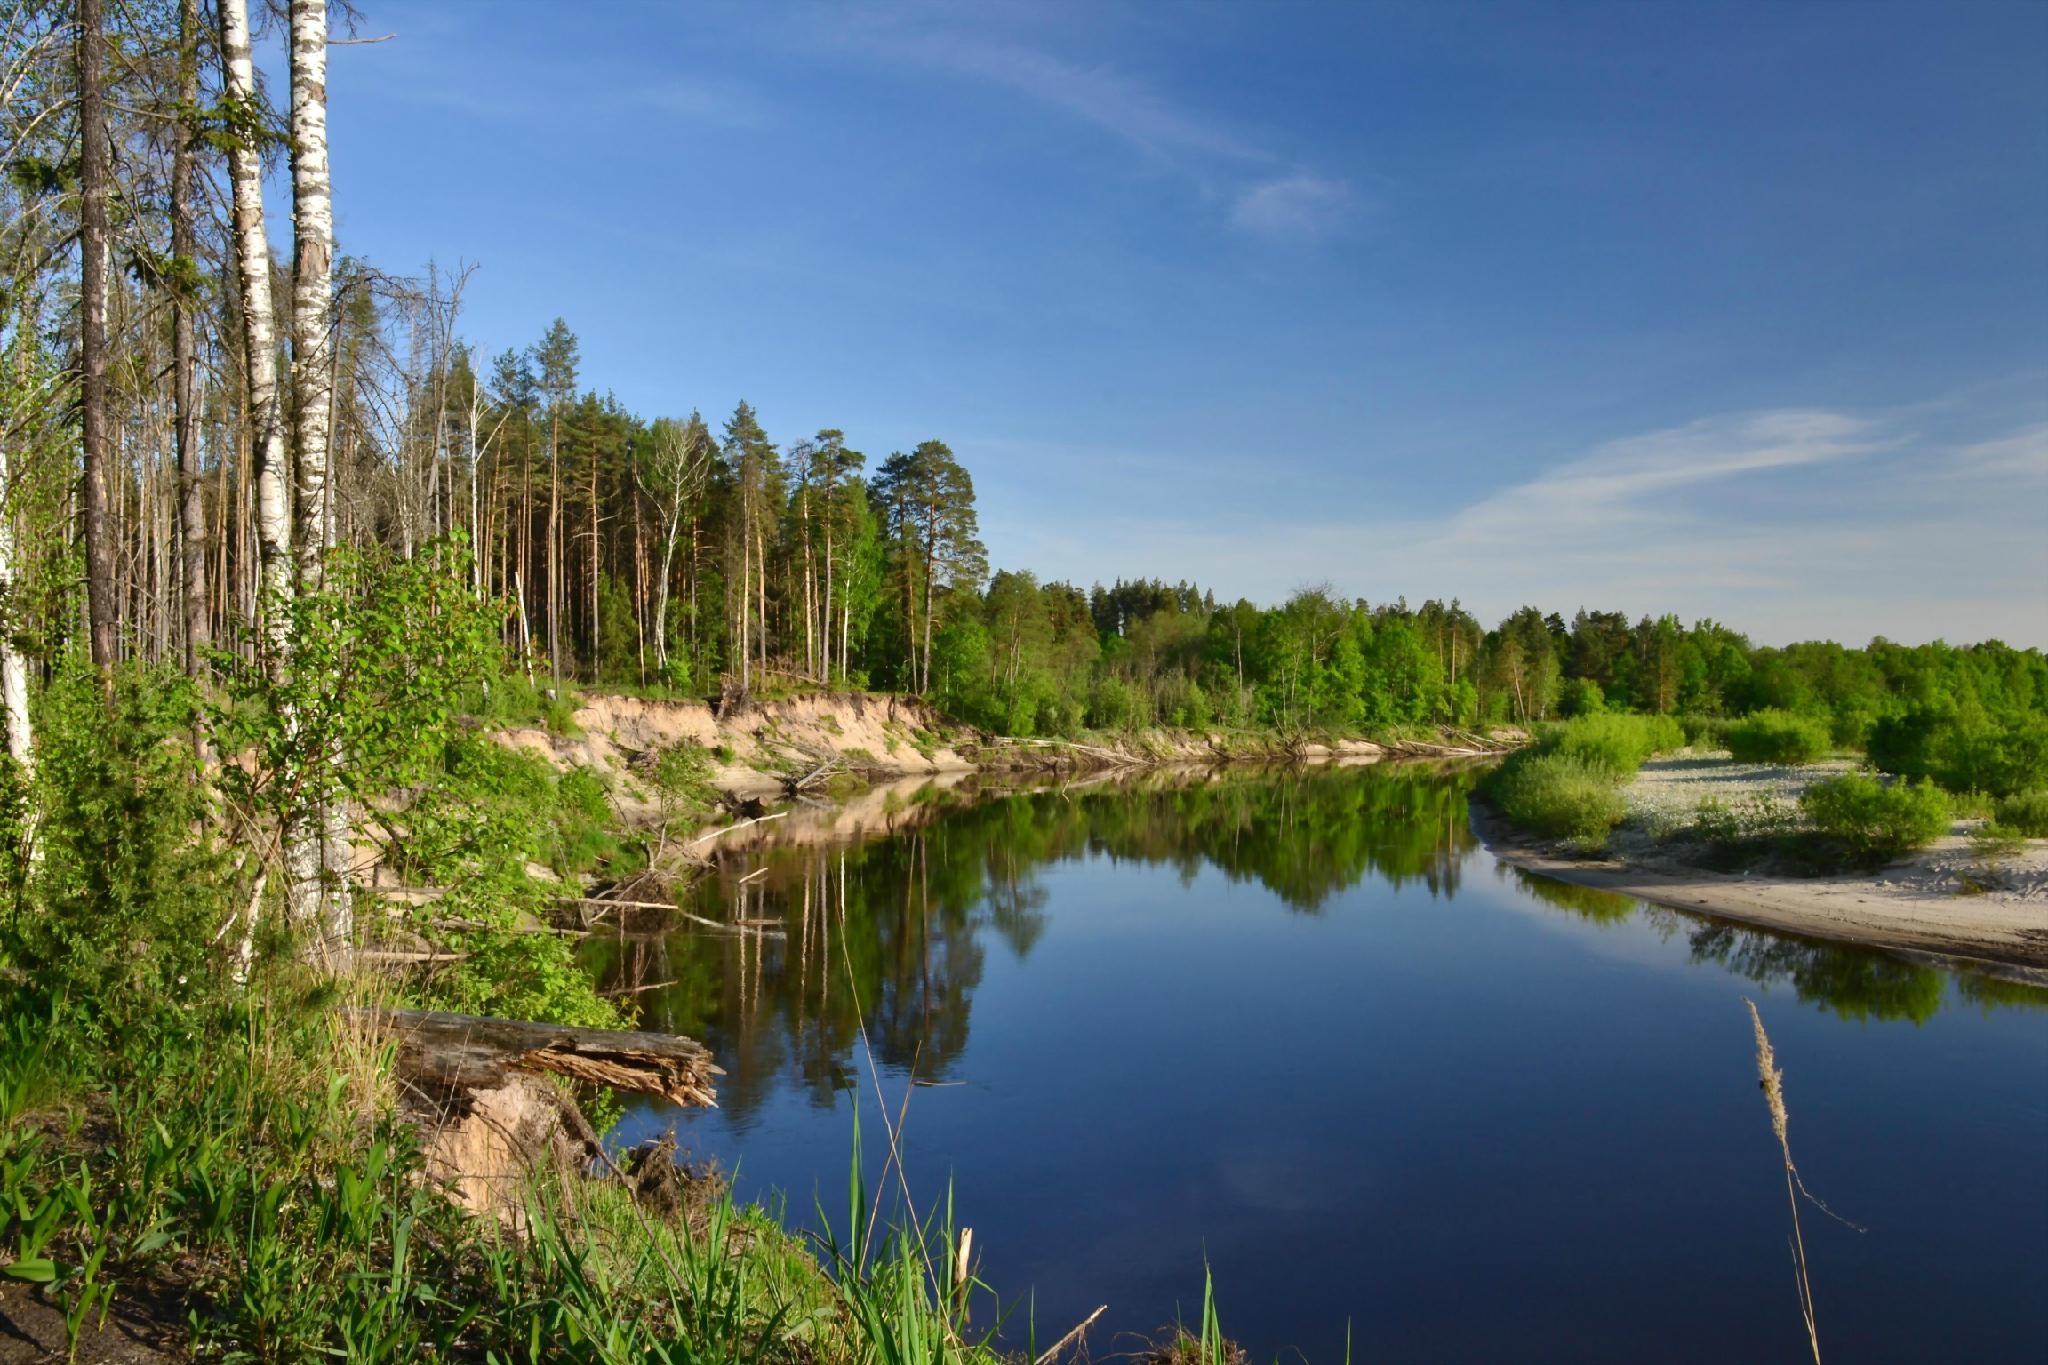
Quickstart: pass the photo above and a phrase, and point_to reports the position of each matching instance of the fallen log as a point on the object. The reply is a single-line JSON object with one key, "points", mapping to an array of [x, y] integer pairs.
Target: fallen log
{"points": [[460, 1052]]}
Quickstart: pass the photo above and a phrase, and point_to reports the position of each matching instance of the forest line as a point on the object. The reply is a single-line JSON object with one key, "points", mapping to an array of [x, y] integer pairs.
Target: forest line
{"points": [[197, 432], [176, 419]]}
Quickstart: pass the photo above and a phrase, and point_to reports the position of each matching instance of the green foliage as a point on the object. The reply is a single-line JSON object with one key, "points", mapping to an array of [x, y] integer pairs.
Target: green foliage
{"points": [[234, 1153], [1581, 697], [1964, 747], [1773, 736], [128, 884], [474, 826], [382, 658], [1614, 742], [1559, 795], [683, 774], [1702, 732], [510, 699], [1873, 820], [2026, 812]]}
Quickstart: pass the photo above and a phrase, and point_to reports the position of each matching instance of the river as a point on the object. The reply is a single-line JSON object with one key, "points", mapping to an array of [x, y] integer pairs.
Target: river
{"points": [[1298, 1025]]}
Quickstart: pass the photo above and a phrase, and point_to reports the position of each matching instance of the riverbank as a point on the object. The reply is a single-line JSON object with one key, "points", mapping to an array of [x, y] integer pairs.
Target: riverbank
{"points": [[1943, 901], [757, 752]]}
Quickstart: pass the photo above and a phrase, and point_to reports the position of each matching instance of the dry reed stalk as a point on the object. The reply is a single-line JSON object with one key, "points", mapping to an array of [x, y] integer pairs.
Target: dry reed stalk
{"points": [[1773, 1082], [1079, 1329]]}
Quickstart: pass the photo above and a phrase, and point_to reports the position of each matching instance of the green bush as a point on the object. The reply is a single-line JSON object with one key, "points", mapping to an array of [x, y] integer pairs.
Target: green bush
{"points": [[1773, 736], [1964, 748], [1703, 732], [1875, 821], [1563, 796], [1999, 757], [2025, 811], [1614, 741]]}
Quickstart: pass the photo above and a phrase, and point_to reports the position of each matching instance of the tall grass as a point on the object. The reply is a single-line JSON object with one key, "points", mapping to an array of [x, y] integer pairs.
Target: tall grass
{"points": [[302, 1226]]}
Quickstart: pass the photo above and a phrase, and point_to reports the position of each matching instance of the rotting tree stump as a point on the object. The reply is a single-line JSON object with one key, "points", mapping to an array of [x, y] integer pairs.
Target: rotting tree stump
{"points": [[461, 1052]]}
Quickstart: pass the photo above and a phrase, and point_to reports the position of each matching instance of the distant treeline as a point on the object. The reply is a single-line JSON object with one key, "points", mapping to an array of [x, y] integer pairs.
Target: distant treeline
{"points": [[187, 442]]}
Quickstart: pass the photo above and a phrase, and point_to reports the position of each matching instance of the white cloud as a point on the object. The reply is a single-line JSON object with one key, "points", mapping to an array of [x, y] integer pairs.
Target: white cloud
{"points": [[1300, 207]]}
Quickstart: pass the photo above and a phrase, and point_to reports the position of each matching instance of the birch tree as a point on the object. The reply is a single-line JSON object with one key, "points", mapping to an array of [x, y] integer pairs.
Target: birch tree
{"points": [[259, 335], [95, 176], [191, 499], [319, 858], [33, 393], [676, 475]]}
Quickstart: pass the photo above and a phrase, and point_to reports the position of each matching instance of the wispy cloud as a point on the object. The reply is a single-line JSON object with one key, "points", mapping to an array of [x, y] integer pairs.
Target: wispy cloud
{"points": [[1789, 524], [1295, 208], [2021, 455], [1264, 199], [1101, 95], [717, 103], [1619, 480]]}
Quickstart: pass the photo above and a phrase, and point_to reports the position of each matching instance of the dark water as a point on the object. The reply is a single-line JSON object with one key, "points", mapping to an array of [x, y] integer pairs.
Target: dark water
{"points": [[1301, 1025]]}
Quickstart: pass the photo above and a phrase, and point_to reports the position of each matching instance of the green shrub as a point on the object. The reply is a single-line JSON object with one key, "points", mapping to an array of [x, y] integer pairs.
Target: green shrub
{"points": [[1562, 796], [2026, 812], [1874, 821], [1964, 748], [1703, 732], [1999, 757], [1773, 736], [1614, 741]]}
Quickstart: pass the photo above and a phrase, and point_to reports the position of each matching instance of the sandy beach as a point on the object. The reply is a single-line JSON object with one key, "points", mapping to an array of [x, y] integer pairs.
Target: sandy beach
{"points": [[1944, 900]]}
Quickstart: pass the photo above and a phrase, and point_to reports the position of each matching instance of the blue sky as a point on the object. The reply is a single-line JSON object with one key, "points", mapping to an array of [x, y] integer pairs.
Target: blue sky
{"points": [[1738, 310]]}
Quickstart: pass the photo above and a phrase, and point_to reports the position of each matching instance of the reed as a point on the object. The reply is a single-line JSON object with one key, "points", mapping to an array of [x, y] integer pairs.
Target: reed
{"points": [[1773, 1083]]}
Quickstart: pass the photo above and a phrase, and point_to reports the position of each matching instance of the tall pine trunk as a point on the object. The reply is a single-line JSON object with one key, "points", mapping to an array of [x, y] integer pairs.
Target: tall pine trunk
{"points": [[554, 551]]}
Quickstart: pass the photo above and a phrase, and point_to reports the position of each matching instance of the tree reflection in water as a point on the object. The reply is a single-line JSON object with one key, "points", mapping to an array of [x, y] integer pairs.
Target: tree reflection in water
{"points": [[893, 930]]}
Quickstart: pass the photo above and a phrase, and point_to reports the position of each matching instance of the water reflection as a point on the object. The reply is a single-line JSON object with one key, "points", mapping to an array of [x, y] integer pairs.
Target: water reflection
{"points": [[1853, 983], [894, 930]]}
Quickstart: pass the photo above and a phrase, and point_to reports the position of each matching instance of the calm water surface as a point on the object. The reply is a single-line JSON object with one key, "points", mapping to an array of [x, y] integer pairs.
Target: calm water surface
{"points": [[1301, 1025]]}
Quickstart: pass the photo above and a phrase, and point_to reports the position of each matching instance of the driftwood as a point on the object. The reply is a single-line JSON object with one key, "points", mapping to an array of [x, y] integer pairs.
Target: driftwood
{"points": [[727, 829], [460, 1052], [793, 785]]}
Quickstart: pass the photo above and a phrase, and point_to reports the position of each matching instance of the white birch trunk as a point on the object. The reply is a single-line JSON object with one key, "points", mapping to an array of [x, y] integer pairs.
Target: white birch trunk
{"points": [[21, 744], [274, 579], [259, 337], [320, 858]]}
